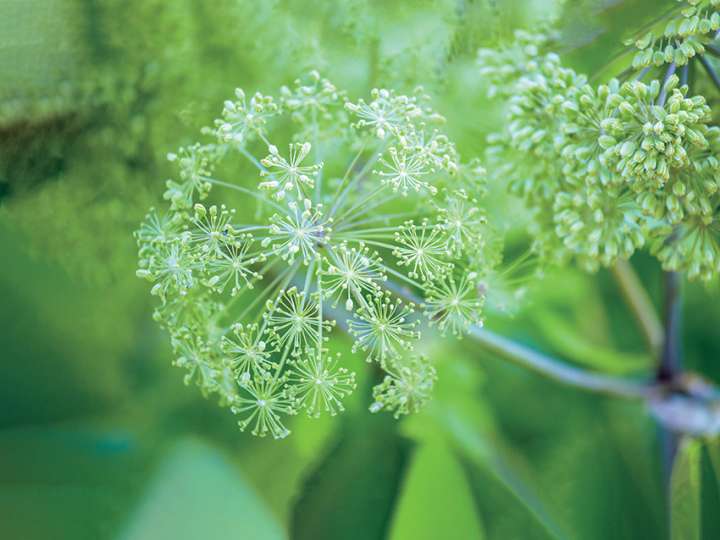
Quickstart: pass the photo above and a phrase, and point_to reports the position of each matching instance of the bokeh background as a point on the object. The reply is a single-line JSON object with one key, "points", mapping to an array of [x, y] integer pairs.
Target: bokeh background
{"points": [[98, 436]]}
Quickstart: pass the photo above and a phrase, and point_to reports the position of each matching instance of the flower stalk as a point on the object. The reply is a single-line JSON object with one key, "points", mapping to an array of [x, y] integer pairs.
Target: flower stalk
{"points": [[559, 371], [640, 305], [669, 367]]}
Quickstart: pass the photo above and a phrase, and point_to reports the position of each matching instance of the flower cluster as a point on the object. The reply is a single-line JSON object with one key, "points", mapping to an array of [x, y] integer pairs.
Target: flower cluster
{"points": [[499, 68], [365, 203], [691, 26], [611, 168]]}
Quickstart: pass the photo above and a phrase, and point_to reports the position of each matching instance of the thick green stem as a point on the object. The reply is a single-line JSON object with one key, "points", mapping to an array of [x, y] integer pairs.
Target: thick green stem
{"points": [[669, 368], [670, 362], [557, 370], [657, 394], [547, 366]]}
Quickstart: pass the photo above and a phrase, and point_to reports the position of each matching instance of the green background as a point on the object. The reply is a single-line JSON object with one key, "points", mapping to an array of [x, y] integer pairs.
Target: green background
{"points": [[98, 436]]}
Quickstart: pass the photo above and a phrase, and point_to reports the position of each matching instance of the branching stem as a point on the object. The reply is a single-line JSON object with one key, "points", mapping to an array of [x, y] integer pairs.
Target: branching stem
{"points": [[557, 370], [547, 366]]}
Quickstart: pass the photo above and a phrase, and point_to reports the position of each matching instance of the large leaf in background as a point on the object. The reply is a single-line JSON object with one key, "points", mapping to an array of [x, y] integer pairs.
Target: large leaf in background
{"points": [[502, 488], [352, 493], [436, 500], [713, 450], [601, 479], [710, 488], [197, 493], [565, 338], [278, 469], [85, 483], [628, 438], [509, 502], [74, 483], [685, 492]]}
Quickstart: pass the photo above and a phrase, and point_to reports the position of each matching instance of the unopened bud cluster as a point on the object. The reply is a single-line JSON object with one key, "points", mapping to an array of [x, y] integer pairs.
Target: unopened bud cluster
{"points": [[608, 169]]}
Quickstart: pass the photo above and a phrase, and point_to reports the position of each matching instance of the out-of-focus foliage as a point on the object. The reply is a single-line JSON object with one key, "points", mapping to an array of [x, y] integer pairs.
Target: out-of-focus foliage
{"points": [[98, 436], [685, 494]]}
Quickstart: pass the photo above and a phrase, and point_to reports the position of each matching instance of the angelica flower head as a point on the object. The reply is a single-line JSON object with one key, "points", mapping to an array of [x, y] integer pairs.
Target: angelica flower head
{"points": [[607, 170], [366, 198]]}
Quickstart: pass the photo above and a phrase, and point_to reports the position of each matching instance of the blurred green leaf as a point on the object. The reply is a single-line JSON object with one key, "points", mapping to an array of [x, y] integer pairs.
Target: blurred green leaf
{"points": [[436, 500], [73, 483], [580, 470], [595, 29], [41, 46], [278, 469], [63, 347], [510, 504], [685, 492], [500, 487], [352, 493], [564, 337], [198, 493], [710, 490], [713, 449]]}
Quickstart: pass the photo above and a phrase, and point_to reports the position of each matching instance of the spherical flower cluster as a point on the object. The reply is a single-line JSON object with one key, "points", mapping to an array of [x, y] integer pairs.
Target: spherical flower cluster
{"points": [[607, 170], [366, 201], [646, 139]]}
